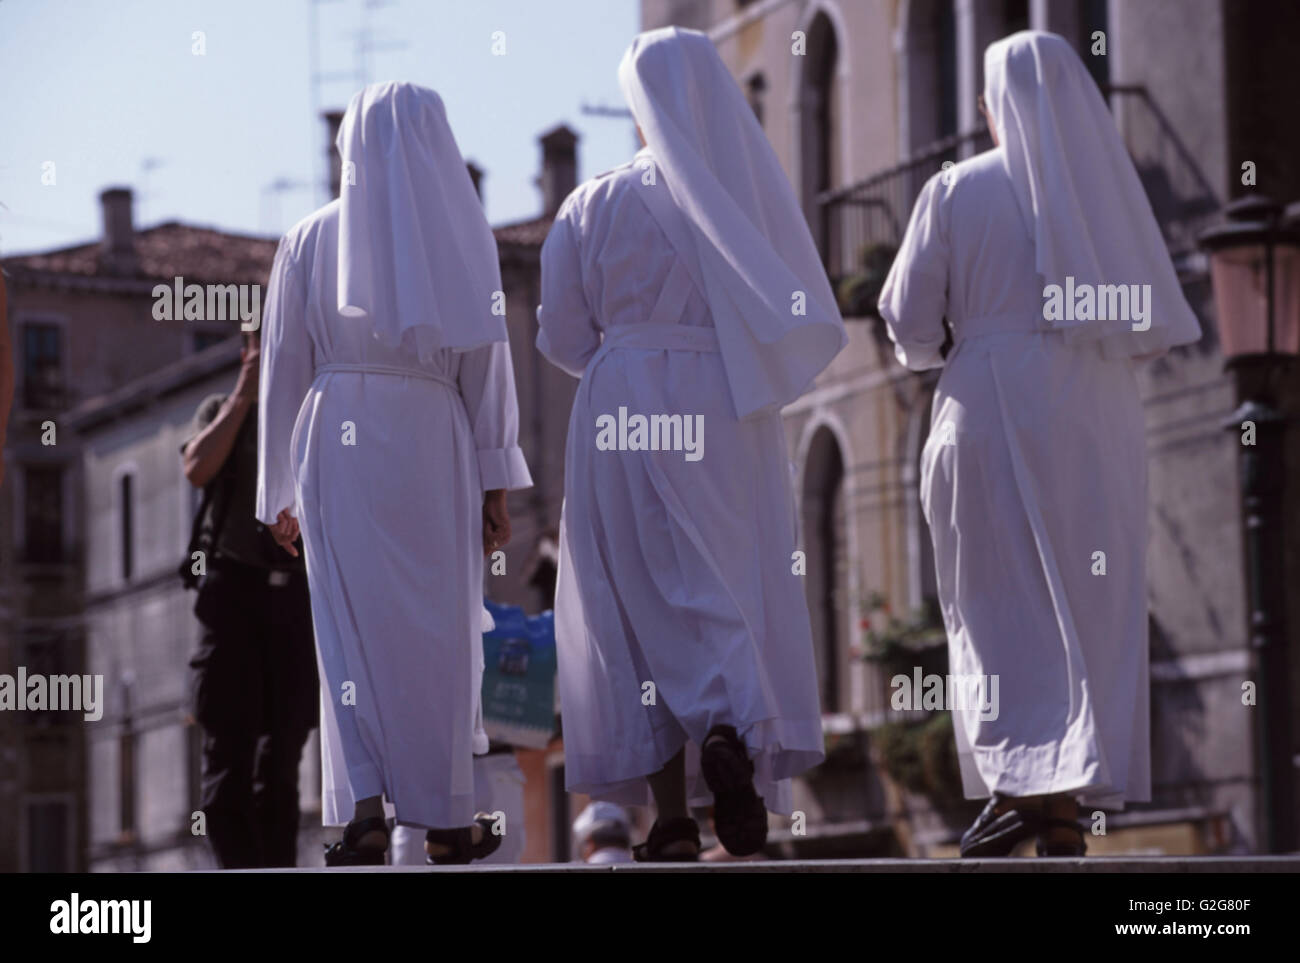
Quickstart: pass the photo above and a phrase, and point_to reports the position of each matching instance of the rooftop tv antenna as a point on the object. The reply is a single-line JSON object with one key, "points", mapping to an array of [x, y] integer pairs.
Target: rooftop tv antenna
{"points": [[364, 46], [604, 110], [270, 206]]}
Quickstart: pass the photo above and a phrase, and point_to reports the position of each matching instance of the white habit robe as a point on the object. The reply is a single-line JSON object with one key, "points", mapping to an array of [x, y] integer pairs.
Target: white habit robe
{"points": [[1035, 463], [672, 572], [385, 469]]}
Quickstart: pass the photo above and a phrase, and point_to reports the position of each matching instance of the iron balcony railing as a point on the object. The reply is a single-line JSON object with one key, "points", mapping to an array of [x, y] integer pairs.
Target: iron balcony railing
{"points": [[859, 227], [862, 224]]}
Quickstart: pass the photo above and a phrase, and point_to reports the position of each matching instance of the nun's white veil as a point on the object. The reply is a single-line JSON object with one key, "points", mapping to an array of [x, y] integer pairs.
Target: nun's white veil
{"points": [[417, 258], [1078, 191], [749, 249]]}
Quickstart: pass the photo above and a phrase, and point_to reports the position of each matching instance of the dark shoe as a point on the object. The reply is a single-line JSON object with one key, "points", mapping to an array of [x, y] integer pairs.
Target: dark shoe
{"points": [[739, 816], [460, 842], [665, 833], [1060, 849], [996, 834], [345, 851]]}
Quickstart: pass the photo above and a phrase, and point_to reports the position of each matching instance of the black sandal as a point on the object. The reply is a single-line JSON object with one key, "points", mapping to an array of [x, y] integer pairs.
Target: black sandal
{"points": [[345, 851], [739, 816], [460, 842], [1060, 849], [995, 834], [664, 834]]}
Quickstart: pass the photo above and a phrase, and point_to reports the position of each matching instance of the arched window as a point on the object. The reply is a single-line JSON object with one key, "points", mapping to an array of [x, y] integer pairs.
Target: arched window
{"points": [[1015, 15], [930, 73], [126, 526], [826, 550], [819, 121]]}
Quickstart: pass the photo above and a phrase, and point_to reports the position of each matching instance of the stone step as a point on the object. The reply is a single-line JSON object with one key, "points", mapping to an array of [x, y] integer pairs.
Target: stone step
{"points": [[1099, 864]]}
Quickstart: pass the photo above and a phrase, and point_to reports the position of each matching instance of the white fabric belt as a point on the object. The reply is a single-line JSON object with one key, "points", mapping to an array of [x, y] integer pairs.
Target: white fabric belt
{"points": [[1013, 322], [390, 369], [660, 337]]}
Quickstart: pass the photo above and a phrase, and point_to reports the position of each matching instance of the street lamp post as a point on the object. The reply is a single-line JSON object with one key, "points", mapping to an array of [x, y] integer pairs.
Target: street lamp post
{"points": [[1255, 270]]}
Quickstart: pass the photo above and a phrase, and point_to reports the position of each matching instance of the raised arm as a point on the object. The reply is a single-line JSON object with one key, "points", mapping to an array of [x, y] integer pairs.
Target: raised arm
{"points": [[208, 450]]}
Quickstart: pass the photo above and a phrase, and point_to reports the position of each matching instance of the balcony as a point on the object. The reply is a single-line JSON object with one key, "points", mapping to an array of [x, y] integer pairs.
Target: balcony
{"points": [[44, 396], [862, 224]]}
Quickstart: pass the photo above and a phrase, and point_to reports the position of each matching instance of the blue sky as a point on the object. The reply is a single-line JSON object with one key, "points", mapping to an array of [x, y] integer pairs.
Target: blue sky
{"points": [[108, 88]]}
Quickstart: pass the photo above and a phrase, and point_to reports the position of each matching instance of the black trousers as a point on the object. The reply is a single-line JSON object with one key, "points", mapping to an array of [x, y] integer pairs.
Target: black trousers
{"points": [[257, 697]]}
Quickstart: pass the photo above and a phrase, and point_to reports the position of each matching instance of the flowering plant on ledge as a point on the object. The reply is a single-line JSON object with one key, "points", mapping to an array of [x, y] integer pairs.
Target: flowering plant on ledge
{"points": [[919, 754], [900, 643]]}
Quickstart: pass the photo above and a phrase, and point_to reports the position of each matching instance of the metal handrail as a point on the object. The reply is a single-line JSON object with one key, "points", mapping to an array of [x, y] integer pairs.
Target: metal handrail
{"points": [[931, 152], [872, 212]]}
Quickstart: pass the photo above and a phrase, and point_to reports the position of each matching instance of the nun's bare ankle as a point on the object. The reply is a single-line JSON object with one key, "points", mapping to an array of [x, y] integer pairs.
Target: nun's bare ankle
{"points": [[369, 808], [1062, 806]]}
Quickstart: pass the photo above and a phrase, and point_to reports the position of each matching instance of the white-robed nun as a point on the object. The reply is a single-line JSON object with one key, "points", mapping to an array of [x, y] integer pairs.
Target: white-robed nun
{"points": [[388, 415], [1045, 258], [684, 290]]}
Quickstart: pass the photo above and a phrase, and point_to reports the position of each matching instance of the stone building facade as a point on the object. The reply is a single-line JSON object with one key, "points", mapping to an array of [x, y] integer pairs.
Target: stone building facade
{"points": [[82, 324], [863, 100]]}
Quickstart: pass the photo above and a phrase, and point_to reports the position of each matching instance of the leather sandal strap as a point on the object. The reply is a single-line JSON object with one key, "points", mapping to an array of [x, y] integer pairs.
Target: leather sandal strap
{"points": [[458, 841], [678, 830], [360, 827], [665, 833], [725, 736], [490, 841], [1043, 847]]}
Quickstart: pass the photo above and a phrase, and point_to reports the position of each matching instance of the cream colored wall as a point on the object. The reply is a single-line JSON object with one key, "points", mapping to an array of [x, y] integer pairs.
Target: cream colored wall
{"points": [[760, 38], [150, 449], [142, 629]]}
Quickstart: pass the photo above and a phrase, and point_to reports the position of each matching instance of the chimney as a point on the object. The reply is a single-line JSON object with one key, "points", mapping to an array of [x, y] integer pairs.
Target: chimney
{"points": [[559, 167], [117, 253], [333, 120], [475, 175]]}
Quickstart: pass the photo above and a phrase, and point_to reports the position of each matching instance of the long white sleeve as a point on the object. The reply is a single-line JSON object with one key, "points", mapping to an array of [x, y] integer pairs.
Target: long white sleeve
{"points": [[915, 295], [487, 385], [287, 372], [567, 333]]}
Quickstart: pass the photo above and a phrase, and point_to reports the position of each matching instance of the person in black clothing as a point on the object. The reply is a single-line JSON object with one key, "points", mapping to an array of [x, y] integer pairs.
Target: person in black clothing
{"points": [[256, 691]]}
